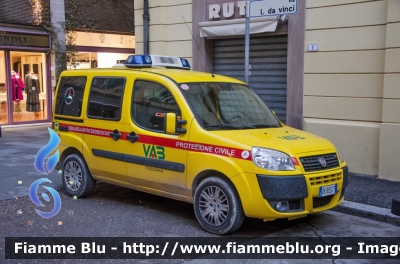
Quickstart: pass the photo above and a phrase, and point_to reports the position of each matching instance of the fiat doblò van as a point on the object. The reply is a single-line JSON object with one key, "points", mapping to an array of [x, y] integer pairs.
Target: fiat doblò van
{"points": [[154, 125]]}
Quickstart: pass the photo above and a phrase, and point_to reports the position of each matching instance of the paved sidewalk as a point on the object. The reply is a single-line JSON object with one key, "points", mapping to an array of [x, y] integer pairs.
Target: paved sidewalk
{"points": [[18, 149], [370, 197], [372, 190], [365, 196]]}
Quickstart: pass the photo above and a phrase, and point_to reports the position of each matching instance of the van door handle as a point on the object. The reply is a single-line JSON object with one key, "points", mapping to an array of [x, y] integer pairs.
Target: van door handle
{"points": [[115, 135], [132, 137]]}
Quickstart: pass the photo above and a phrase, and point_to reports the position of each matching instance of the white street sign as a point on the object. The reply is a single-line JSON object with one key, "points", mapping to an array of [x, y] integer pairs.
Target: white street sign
{"points": [[259, 8]]}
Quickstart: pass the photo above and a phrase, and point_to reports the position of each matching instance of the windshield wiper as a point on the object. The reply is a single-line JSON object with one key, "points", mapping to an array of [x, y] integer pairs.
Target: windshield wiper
{"points": [[229, 126], [265, 126]]}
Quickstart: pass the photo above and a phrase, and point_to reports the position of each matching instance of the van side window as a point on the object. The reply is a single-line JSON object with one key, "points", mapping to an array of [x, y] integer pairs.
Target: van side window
{"points": [[150, 103], [70, 95], [105, 98]]}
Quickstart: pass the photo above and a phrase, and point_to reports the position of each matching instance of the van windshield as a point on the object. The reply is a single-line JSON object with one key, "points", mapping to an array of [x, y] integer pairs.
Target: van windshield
{"points": [[221, 106]]}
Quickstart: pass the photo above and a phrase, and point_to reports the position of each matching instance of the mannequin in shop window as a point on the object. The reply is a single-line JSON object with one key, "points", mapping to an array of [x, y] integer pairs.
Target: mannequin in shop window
{"points": [[32, 91], [17, 86]]}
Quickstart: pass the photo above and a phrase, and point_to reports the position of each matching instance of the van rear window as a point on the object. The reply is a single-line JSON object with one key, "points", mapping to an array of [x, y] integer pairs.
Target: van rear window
{"points": [[105, 98], [70, 96]]}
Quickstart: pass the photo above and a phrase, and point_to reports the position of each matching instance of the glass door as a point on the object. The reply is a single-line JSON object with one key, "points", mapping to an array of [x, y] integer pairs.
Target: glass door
{"points": [[3, 95]]}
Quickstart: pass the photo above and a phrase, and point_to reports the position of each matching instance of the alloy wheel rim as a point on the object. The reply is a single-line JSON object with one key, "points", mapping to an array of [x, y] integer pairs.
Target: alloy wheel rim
{"points": [[73, 175], [214, 206]]}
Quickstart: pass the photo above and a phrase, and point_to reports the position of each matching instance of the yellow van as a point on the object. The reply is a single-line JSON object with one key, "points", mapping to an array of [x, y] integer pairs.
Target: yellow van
{"points": [[156, 126]]}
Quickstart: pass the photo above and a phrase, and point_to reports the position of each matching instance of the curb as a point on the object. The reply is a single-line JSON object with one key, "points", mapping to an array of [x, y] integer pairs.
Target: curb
{"points": [[368, 211], [25, 125]]}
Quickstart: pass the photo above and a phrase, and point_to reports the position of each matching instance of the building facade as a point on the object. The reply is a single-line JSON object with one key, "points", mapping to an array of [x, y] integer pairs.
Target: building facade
{"points": [[102, 36], [344, 86], [351, 84], [24, 47], [210, 33], [109, 34]]}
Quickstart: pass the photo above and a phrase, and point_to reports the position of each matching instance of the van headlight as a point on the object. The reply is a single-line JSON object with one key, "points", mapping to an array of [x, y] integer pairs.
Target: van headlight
{"points": [[271, 159]]}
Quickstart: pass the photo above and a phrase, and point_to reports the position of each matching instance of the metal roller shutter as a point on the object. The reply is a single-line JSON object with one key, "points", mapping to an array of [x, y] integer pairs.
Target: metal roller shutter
{"points": [[268, 59]]}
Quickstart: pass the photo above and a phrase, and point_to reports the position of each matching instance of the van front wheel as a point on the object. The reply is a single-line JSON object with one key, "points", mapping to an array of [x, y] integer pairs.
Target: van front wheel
{"points": [[76, 176], [217, 206]]}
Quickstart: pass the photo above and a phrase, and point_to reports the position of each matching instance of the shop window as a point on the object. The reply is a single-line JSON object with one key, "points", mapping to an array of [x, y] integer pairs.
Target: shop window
{"points": [[105, 99], [26, 95], [151, 102], [70, 95]]}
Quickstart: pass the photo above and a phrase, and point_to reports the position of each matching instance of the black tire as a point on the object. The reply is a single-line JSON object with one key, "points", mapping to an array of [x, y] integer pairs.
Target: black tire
{"points": [[207, 207], [76, 176]]}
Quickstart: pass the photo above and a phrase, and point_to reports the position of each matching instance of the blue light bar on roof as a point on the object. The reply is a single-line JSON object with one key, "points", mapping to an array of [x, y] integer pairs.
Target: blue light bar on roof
{"points": [[148, 61]]}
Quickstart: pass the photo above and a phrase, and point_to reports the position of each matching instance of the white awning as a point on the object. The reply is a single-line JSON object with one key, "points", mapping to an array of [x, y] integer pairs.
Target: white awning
{"points": [[237, 27]]}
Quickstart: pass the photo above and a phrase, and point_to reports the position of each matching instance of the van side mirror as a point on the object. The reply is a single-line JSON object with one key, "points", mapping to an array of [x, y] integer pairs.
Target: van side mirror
{"points": [[170, 124]]}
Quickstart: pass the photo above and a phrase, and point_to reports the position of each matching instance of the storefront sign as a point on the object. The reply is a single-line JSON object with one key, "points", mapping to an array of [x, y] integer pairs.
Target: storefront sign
{"points": [[11, 39], [227, 10], [14, 40]]}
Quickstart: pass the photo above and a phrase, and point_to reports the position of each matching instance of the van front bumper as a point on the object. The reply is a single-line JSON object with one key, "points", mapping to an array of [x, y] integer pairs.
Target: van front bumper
{"points": [[263, 196]]}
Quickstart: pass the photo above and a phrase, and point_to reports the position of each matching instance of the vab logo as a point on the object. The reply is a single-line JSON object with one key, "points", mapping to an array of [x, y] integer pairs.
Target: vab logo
{"points": [[154, 152], [45, 164], [292, 137], [35, 199]]}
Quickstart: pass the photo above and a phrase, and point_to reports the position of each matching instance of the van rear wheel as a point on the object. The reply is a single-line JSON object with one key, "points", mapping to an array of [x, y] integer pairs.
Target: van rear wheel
{"points": [[217, 206], [76, 176]]}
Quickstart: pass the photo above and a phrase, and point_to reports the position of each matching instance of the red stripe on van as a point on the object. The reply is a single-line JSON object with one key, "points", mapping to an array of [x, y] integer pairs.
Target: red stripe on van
{"points": [[167, 142]]}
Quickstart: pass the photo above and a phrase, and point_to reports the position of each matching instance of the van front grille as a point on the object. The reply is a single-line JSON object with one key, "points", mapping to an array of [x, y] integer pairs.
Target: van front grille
{"points": [[313, 163], [325, 179]]}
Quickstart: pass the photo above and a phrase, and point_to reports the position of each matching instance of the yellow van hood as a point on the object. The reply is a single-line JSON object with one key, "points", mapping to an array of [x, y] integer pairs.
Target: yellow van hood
{"points": [[286, 139]]}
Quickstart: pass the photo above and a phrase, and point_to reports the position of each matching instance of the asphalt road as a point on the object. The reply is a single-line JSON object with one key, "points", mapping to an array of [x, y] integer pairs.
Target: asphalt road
{"points": [[113, 211]]}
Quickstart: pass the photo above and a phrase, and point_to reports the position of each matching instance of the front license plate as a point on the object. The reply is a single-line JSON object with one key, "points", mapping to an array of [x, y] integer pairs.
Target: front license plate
{"points": [[327, 190]]}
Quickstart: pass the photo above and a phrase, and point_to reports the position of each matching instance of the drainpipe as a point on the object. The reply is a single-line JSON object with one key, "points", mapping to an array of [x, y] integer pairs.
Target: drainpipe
{"points": [[146, 19]]}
